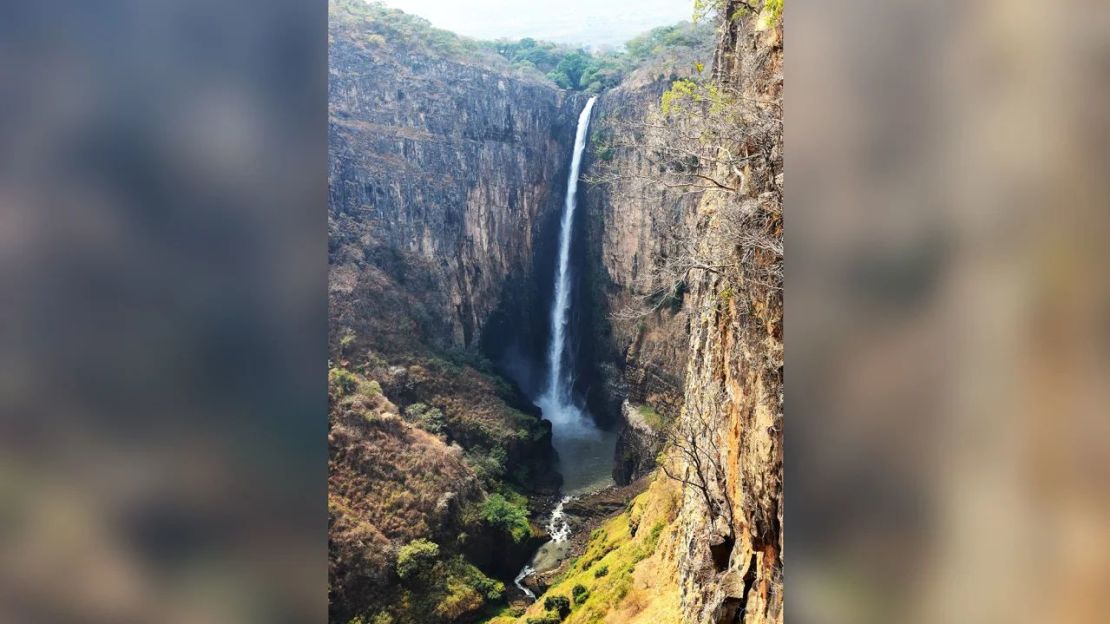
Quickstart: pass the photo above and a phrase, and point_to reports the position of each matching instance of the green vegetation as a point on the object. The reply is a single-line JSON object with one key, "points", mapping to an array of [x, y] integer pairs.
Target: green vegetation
{"points": [[508, 514], [343, 383], [774, 7], [685, 96], [580, 69], [653, 418], [580, 593], [436, 590], [610, 575], [558, 604], [429, 419], [416, 559]]}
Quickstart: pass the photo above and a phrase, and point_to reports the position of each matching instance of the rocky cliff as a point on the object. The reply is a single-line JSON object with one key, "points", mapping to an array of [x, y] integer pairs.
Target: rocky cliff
{"points": [[693, 212], [633, 223], [730, 428], [442, 166]]}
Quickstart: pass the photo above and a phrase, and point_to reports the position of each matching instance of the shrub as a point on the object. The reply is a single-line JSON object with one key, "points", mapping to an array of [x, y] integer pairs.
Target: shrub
{"points": [[428, 418], [461, 589], [580, 593], [459, 600], [602, 571], [343, 380], [544, 619], [416, 559], [652, 417], [506, 515], [558, 604]]}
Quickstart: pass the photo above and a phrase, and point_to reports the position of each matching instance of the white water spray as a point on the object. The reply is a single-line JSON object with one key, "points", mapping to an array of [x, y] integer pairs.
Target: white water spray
{"points": [[524, 573], [557, 527], [567, 420], [556, 403]]}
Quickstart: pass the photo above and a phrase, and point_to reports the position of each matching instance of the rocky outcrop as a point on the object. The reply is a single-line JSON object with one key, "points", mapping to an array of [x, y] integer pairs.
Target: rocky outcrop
{"points": [[441, 167], [633, 223], [637, 445], [710, 360], [730, 567]]}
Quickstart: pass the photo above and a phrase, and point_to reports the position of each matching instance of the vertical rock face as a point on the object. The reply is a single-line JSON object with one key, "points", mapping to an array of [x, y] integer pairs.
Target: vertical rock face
{"points": [[731, 566], [632, 223], [710, 360], [440, 170]]}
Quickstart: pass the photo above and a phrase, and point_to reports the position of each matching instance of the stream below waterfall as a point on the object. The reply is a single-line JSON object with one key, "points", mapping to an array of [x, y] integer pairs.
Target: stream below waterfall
{"points": [[585, 451]]}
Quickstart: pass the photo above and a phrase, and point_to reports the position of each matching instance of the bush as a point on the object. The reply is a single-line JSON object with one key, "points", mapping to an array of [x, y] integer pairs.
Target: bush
{"points": [[580, 593], [457, 588], [544, 619], [558, 604], [600, 572], [429, 419], [506, 515], [343, 380], [416, 559]]}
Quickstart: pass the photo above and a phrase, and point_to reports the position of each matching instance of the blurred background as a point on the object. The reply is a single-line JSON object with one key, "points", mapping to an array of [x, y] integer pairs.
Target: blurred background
{"points": [[948, 311], [162, 311]]}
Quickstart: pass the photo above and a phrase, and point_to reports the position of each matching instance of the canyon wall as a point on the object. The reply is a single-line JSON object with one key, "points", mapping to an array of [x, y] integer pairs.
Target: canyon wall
{"points": [[633, 222], [441, 168], [730, 565], [702, 370]]}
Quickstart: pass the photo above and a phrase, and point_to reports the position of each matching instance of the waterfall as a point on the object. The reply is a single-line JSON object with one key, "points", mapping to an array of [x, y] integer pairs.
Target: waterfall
{"points": [[585, 452], [518, 581], [559, 407], [557, 527]]}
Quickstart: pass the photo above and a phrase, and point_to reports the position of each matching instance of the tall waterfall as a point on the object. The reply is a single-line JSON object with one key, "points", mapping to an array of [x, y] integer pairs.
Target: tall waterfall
{"points": [[557, 403], [585, 452]]}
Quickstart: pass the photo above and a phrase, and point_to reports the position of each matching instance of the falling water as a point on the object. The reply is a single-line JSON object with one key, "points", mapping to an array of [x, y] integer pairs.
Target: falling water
{"points": [[558, 398], [585, 452], [524, 573]]}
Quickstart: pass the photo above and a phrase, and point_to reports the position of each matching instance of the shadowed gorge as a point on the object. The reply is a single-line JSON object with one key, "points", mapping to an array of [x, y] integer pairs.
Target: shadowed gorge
{"points": [[538, 395]]}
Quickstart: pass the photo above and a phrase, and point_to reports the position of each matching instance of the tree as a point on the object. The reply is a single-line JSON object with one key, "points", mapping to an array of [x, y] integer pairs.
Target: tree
{"points": [[558, 604], [416, 559], [580, 593], [572, 66], [511, 517]]}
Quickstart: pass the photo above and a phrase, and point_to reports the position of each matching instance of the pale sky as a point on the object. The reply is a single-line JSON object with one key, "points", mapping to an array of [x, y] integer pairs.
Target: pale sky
{"points": [[585, 22]]}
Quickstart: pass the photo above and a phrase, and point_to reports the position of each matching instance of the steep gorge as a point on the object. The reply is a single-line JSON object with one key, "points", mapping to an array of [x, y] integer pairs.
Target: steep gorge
{"points": [[701, 368], [447, 176], [444, 171]]}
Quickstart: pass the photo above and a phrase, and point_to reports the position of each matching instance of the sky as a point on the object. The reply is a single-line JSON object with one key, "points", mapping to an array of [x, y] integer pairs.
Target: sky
{"points": [[592, 23]]}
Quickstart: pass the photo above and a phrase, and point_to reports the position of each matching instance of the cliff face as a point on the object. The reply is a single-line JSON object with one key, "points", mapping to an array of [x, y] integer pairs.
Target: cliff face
{"points": [[440, 170], [731, 565], [442, 167], [710, 360], [633, 222]]}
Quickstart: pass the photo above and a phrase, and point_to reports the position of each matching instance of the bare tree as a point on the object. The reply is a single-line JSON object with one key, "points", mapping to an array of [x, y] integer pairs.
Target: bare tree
{"points": [[693, 438], [706, 137]]}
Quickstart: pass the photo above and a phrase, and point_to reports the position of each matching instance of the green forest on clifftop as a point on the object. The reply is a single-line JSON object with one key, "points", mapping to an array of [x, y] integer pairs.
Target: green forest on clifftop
{"points": [[564, 66]]}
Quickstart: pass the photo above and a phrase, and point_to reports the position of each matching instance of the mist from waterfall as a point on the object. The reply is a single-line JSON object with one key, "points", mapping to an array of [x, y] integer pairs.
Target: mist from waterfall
{"points": [[585, 452]]}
